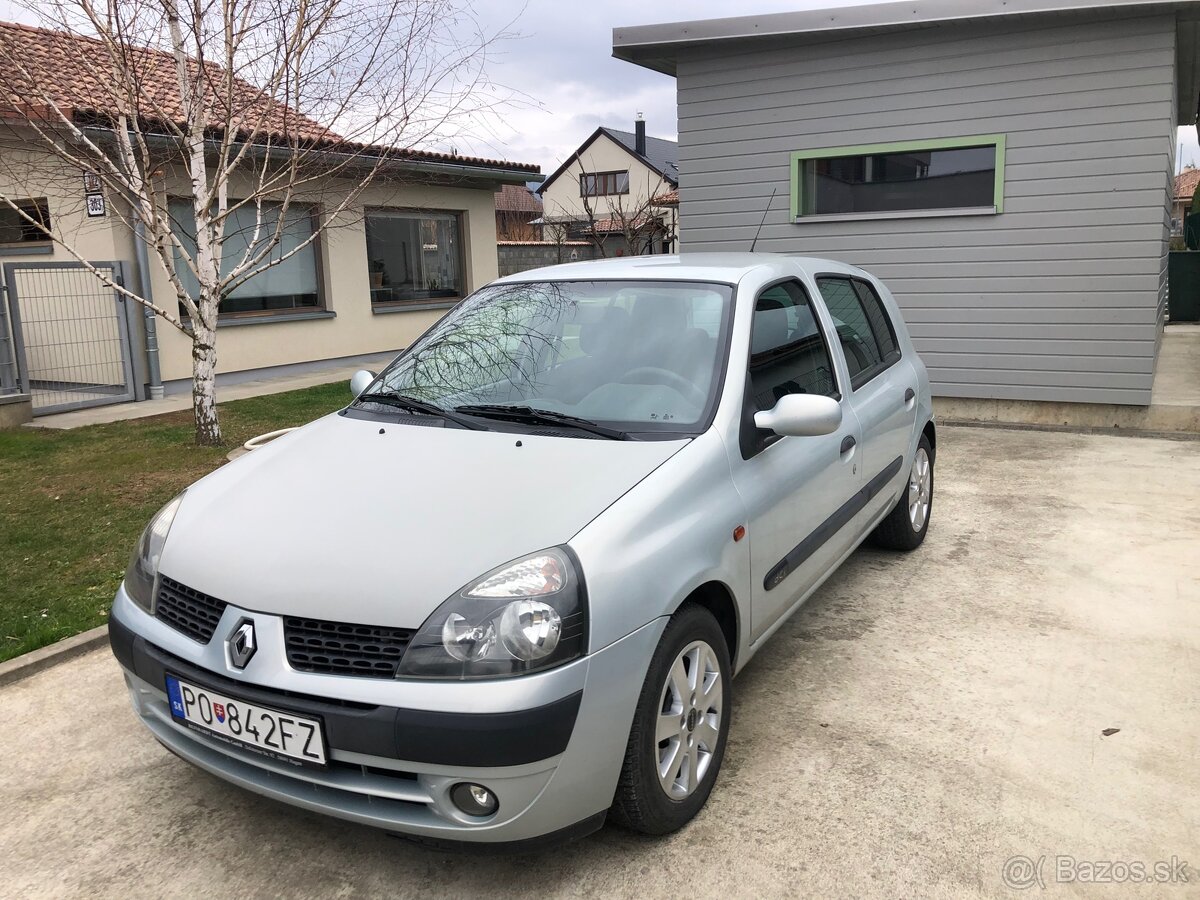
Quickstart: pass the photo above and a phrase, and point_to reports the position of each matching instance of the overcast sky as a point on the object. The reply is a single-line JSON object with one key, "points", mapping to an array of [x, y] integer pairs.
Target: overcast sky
{"points": [[562, 60]]}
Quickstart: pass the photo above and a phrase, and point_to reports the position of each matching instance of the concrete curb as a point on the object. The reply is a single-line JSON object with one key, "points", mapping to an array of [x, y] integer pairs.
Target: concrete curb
{"points": [[31, 663], [1070, 429]]}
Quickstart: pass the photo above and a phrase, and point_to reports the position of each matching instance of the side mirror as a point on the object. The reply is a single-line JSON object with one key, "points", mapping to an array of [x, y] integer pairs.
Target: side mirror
{"points": [[360, 381], [801, 415]]}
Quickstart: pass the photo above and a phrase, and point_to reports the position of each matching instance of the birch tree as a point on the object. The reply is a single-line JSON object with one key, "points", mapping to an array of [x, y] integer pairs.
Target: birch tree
{"points": [[252, 110]]}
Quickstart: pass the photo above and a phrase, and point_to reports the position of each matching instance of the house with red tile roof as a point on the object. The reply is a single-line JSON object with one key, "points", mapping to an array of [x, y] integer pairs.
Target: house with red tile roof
{"points": [[1186, 183], [518, 214], [603, 192], [421, 237]]}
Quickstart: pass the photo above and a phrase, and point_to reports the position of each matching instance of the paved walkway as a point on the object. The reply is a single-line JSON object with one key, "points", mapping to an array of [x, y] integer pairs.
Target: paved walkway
{"points": [[924, 718], [98, 415], [1177, 377]]}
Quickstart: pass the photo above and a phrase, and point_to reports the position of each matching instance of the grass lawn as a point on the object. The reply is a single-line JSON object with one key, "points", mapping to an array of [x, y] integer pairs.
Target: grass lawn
{"points": [[73, 503]]}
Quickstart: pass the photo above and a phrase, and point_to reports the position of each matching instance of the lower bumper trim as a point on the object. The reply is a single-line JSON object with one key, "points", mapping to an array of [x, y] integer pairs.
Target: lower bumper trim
{"points": [[541, 843], [487, 740]]}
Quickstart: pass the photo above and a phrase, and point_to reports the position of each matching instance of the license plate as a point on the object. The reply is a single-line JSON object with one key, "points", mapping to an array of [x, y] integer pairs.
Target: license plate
{"points": [[279, 735]]}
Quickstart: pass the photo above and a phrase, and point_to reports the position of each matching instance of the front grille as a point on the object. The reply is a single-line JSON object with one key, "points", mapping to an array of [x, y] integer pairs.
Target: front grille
{"points": [[187, 610], [340, 648]]}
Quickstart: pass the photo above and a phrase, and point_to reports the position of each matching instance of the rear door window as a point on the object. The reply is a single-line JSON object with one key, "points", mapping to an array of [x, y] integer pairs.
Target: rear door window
{"points": [[864, 330]]}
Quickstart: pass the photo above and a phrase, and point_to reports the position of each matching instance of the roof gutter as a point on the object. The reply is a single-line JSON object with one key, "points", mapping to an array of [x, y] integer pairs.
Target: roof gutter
{"points": [[364, 160]]}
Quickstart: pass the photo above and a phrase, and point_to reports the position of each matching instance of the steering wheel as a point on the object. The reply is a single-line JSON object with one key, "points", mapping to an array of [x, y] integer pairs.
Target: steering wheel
{"points": [[655, 375]]}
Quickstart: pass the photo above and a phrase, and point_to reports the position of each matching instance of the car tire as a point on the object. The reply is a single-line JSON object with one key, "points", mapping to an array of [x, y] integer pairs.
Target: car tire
{"points": [[680, 727], [906, 525]]}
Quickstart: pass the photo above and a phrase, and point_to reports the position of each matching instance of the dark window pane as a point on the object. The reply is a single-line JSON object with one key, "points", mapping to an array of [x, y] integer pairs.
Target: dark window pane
{"points": [[916, 179], [787, 351], [877, 317], [272, 303], [290, 284], [414, 257], [16, 229], [599, 184], [850, 319]]}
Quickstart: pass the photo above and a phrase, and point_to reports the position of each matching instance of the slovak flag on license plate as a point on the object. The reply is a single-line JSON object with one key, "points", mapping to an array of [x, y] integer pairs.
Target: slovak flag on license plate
{"points": [[219, 709]]}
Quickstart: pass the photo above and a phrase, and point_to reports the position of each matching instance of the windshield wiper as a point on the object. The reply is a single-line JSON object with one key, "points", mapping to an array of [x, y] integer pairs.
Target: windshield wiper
{"points": [[535, 416], [412, 404]]}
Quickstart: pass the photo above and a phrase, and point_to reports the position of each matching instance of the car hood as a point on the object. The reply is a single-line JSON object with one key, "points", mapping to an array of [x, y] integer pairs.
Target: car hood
{"points": [[378, 523]]}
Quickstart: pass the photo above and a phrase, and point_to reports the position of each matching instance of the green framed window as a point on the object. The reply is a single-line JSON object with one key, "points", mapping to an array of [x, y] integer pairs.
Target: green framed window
{"points": [[946, 176]]}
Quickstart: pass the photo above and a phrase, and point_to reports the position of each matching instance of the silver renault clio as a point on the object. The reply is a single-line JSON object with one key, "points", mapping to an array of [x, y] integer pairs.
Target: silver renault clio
{"points": [[502, 595]]}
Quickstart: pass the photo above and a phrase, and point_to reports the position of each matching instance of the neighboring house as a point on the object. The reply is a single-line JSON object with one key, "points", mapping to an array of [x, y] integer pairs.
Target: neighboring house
{"points": [[421, 237], [1005, 168], [518, 214], [667, 205], [603, 192], [1185, 188]]}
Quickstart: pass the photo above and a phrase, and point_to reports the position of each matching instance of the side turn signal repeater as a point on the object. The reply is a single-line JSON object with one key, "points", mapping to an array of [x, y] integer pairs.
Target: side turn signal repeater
{"points": [[739, 533]]}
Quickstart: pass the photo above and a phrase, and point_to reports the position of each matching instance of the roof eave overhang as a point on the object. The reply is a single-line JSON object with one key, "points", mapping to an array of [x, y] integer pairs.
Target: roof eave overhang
{"points": [[356, 161], [658, 47], [1187, 66]]}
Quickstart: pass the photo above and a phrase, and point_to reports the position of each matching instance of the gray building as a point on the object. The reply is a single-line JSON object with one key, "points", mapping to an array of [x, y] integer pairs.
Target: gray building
{"points": [[1005, 167]]}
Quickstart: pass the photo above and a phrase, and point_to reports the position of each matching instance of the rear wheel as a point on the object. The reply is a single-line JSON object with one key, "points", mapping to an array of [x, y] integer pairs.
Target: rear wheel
{"points": [[678, 736], [905, 526]]}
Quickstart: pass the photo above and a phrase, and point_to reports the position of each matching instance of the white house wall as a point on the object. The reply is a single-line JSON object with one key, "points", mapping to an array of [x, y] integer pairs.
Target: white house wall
{"points": [[246, 344], [253, 343], [562, 199]]}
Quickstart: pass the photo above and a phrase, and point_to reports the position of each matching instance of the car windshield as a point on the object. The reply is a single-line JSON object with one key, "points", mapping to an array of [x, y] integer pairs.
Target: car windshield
{"points": [[641, 356]]}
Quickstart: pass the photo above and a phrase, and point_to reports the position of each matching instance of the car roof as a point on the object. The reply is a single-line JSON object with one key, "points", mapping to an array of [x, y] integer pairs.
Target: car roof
{"points": [[719, 267]]}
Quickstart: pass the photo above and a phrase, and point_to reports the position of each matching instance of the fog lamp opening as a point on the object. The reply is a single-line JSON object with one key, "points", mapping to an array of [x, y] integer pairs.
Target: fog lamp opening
{"points": [[474, 799]]}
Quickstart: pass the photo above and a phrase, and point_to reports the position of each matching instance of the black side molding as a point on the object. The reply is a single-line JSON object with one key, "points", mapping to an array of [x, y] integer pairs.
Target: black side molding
{"points": [[831, 526]]}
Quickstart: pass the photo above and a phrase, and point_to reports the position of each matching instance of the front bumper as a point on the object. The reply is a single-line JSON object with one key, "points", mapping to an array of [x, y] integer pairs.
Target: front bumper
{"points": [[549, 746]]}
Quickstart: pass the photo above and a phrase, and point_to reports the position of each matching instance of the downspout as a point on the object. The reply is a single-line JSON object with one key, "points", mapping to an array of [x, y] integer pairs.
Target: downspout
{"points": [[143, 264]]}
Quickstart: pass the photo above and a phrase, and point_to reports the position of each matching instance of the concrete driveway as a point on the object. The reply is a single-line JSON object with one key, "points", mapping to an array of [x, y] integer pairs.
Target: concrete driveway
{"points": [[925, 718]]}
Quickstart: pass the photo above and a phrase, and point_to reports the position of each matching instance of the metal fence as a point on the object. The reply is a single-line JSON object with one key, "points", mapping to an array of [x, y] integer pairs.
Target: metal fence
{"points": [[67, 338], [1183, 275]]}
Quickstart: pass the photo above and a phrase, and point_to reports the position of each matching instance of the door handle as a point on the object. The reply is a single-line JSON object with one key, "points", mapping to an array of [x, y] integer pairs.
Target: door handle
{"points": [[848, 443], [909, 394]]}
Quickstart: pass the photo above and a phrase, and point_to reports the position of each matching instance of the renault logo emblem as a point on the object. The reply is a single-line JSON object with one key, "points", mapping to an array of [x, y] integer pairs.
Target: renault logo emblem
{"points": [[240, 643]]}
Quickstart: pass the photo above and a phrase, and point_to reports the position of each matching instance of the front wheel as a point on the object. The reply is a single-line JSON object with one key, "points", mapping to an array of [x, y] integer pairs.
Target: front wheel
{"points": [[905, 526], [678, 736]]}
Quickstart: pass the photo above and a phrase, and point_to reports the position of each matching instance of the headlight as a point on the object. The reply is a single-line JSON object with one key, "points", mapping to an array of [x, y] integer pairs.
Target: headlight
{"points": [[143, 565], [527, 615]]}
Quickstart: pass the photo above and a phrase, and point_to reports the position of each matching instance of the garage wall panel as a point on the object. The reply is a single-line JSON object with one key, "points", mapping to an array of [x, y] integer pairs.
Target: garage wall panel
{"points": [[1057, 298]]}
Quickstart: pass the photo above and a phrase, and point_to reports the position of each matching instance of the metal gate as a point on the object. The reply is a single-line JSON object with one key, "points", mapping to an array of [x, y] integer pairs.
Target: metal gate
{"points": [[67, 341], [1183, 278]]}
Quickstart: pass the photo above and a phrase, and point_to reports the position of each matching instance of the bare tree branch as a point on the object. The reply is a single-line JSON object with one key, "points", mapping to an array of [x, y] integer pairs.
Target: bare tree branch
{"points": [[251, 111]]}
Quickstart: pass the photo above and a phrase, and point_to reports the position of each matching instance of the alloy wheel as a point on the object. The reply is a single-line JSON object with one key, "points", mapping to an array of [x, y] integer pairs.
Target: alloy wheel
{"points": [[920, 490], [689, 720]]}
